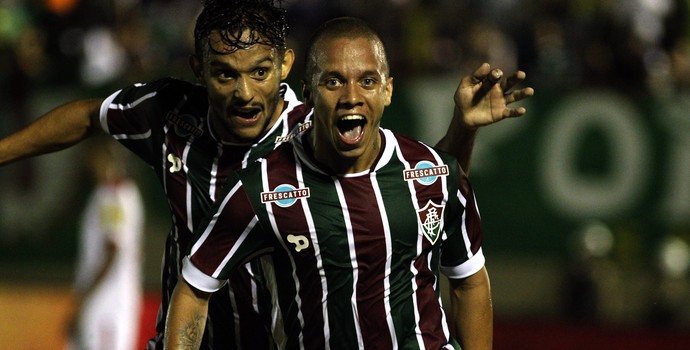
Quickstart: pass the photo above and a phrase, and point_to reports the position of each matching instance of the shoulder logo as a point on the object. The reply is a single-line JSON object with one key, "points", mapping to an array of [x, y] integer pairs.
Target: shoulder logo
{"points": [[425, 172], [431, 220], [297, 130], [185, 125], [285, 195]]}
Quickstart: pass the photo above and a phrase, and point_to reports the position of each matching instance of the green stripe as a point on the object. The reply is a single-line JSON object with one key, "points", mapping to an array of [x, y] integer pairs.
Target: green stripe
{"points": [[333, 245], [402, 216]]}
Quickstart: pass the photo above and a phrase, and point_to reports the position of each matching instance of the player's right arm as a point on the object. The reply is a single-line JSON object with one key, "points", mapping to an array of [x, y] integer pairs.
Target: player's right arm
{"points": [[58, 129], [184, 327]]}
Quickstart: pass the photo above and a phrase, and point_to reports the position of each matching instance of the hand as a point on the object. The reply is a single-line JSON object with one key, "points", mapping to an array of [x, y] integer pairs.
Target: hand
{"points": [[483, 97]]}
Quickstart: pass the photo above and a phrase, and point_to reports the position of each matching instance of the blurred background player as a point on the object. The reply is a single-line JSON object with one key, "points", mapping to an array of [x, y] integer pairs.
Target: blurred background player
{"points": [[108, 287]]}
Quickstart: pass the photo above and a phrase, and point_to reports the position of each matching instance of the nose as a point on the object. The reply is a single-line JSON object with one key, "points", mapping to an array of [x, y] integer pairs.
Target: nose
{"points": [[351, 96], [242, 91]]}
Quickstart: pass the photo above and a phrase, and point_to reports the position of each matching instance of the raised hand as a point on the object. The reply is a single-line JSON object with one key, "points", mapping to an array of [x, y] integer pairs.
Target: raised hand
{"points": [[484, 97]]}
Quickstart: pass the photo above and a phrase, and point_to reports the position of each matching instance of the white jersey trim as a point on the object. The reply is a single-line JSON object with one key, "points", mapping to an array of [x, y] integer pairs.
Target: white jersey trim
{"points": [[103, 113], [198, 279], [466, 269]]}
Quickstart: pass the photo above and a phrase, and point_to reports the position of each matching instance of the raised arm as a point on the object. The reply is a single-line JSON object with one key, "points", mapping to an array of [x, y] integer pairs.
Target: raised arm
{"points": [[472, 311], [184, 327], [58, 129], [481, 99]]}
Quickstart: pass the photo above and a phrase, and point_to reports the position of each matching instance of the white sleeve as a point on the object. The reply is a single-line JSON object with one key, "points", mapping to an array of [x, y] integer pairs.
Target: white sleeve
{"points": [[466, 269], [198, 279]]}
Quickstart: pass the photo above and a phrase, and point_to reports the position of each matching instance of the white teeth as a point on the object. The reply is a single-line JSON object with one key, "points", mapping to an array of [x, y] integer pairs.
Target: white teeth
{"points": [[352, 117]]}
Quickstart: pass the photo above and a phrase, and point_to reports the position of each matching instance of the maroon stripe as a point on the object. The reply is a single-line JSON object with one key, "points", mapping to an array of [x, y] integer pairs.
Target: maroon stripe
{"points": [[229, 161], [369, 240], [226, 232], [127, 122], [472, 219], [297, 115], [430, 323], [292, 221], [176, 186]]}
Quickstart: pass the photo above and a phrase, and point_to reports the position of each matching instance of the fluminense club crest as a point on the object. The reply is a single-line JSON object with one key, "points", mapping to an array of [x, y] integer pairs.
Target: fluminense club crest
{"points": [[431, 220]]}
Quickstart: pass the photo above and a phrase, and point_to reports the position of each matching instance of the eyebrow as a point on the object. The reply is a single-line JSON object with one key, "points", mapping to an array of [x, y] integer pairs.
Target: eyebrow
{"points": [[219, 63], [366, 73]]}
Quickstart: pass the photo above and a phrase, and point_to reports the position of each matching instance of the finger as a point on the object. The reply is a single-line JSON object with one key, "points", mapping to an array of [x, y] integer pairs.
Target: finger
{"points": [[480, 73], [518, 95], [495, 76], [514, 112], [488, 83], [513, 80]]}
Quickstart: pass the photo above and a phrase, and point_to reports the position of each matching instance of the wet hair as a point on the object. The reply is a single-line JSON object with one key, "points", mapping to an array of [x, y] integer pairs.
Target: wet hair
{"points": [[265, 21], [341, 27]]}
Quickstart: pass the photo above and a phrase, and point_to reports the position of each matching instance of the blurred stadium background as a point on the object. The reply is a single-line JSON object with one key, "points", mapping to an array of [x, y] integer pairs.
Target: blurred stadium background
{"points": [[585, 200]]}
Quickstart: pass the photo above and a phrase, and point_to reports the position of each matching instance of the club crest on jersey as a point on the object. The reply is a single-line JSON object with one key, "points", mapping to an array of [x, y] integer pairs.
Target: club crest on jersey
{"points": [[425, 172], [185, 125], [431, 220], [285, 195]]}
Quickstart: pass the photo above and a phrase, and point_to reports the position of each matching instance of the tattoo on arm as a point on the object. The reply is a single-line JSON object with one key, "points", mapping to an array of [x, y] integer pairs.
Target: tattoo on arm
{"points": [[191, 334]]}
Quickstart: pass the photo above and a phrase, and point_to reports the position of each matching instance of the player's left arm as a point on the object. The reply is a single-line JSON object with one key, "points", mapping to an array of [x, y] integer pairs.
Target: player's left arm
{"points": [[184, 327], [472, 311], [481, 98]]}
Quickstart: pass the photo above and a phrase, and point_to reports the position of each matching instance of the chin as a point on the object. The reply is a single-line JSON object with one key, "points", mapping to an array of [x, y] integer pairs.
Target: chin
{"points": [[351, 155]]}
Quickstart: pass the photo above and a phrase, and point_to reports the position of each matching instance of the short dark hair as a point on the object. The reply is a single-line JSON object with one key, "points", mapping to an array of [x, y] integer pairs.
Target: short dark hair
{"points": [[341, 27], [266, 22]]}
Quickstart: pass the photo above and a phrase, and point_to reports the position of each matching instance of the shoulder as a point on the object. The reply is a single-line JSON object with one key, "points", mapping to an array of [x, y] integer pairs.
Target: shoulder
{"points": [[275, 161], [418, 155], [415, 148], [297, 115], [165, 88]]}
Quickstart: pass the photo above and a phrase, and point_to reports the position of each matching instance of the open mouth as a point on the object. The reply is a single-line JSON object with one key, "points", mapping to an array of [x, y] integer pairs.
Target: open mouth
{"points": [[351, 128], [245, 117], [245, 113]]}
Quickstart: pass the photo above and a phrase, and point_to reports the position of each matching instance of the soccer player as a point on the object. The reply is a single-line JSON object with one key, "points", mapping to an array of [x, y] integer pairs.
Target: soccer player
{"points": [[108, 287], [194, 135], [355, 220]]}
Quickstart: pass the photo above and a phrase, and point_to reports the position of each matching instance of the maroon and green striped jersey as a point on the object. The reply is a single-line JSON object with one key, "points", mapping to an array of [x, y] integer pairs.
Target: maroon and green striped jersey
{"points": [[355, 258], [166, 124]]}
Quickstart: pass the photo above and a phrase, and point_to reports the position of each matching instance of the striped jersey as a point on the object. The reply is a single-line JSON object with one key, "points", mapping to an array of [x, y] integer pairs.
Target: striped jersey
{"points": [[356, 257], [166, 124]]}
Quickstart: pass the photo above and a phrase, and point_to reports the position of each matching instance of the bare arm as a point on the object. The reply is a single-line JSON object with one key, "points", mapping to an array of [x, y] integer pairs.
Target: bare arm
{"points": [[184, 327], [472, 311], [58, 129], [481, 99]]}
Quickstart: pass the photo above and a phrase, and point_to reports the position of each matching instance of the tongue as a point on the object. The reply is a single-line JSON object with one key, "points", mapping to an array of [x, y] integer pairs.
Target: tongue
{"points": [[353, 135]]}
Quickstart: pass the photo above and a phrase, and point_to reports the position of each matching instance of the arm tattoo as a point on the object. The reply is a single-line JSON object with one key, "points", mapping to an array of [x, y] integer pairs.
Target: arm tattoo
{"points": [[191, 334]]}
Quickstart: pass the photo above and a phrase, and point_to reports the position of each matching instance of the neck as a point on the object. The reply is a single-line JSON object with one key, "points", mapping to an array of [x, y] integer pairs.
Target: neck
{"points": [[339, 162]]}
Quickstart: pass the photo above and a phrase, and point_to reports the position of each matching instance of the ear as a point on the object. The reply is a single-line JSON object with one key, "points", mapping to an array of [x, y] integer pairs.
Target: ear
{"points": [[286, 65], [196, 67], [389, 91], [307, 94]]}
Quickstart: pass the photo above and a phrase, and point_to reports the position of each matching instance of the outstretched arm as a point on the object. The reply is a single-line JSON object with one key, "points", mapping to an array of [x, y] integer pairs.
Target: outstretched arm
{"points": [[184, 327], [472, 311], [481, 99], [58, 129]]}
